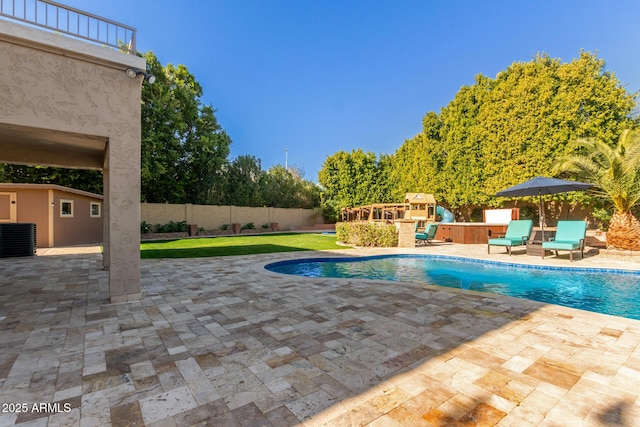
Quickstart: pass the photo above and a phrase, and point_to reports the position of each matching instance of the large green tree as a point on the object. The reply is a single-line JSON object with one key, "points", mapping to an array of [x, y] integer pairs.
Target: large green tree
{"points": [[354, 178], [242, 177], [383, 190], [183, 146], [459, 152], [534, 109], [286, 188], [499, 132], [417, 165], [350, 178]]}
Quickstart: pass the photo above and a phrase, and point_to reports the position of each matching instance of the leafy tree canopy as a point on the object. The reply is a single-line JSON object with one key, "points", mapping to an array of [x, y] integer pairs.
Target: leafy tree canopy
{"points": [[350, 179], [286, 188], [496, 133], [183, 146], [535, 109], [243, 176], [86, 180], [354, 179], [615, 171]]}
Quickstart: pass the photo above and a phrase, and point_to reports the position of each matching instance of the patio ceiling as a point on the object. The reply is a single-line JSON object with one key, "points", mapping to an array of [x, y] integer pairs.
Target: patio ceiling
{"points": [[34, 146]]}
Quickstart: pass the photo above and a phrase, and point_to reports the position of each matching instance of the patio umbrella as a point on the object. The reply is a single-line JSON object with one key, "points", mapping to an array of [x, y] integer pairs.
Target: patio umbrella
{"points": [[540, 186]]}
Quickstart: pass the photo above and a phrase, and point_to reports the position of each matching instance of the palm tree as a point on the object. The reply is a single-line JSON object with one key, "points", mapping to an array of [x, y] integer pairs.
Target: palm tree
{"points": [[615, 171]]}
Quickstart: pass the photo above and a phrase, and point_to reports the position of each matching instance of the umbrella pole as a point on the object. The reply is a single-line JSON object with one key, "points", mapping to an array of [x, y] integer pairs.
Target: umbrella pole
{"points": [[541, 214]]}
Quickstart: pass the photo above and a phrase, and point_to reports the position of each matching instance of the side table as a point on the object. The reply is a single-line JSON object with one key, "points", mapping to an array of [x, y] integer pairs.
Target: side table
{"points": [[534, 248]]}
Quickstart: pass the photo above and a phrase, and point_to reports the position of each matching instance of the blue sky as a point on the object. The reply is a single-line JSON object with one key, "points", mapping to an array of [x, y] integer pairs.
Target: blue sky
{"points": [[319, 76]]}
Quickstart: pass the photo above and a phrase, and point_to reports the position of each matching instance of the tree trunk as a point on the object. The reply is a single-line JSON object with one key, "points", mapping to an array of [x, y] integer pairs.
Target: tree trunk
{"points": [[624, 232]]}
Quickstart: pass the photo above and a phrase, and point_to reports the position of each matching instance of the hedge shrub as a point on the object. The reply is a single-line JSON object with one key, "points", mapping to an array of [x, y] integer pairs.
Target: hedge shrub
{"points": [[171, 227], [367, 234]]}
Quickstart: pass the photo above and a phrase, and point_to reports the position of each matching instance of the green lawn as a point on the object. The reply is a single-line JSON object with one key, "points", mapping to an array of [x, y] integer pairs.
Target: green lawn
{"points": [[238, 245]]}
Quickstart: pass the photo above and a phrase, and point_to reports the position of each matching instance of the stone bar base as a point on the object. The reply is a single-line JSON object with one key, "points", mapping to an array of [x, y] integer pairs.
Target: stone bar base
{"points": [[406, 233]]}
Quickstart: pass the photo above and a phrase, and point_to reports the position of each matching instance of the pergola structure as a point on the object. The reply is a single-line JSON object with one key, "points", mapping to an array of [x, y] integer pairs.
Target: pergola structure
{"points": [[378, 212], [420, 207], [69, 103]]}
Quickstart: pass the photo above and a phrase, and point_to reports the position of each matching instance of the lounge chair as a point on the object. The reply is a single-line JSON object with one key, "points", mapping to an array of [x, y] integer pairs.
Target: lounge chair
{"points": [[569, 237], [517, 234], [429, 233]]}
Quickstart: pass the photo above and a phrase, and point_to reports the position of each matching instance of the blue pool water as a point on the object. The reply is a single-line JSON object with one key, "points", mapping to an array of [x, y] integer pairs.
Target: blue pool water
{"points": [[615, 292]]}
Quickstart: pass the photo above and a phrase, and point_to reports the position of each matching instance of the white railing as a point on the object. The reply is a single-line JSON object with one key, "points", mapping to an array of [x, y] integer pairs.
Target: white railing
{"points": [[67, 20]]}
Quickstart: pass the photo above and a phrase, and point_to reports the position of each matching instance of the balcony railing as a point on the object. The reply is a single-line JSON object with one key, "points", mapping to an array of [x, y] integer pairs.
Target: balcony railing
{"points": [[67, 20]]}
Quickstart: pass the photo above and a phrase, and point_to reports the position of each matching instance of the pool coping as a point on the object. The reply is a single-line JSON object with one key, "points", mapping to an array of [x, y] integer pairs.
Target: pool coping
{"points": [[349, 256]]}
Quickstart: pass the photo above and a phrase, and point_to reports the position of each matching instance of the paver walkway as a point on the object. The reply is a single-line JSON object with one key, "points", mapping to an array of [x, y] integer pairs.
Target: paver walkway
{"points": [[222, 342]]}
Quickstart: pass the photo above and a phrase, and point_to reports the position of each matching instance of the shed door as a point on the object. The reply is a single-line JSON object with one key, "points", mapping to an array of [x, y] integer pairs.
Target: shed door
{"points": [[8, 207]]}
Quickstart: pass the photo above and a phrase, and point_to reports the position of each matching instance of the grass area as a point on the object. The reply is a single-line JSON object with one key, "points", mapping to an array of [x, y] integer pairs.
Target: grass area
{"points": [[238, 245]]}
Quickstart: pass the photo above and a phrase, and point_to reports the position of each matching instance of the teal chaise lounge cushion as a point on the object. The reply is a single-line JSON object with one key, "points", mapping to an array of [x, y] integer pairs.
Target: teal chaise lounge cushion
{"points": [[429, 233], [518, 232], [570, 236]]}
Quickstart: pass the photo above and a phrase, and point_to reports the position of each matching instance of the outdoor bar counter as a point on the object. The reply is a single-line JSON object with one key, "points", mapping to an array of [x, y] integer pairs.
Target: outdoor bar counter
{"points": [[469, 232]]}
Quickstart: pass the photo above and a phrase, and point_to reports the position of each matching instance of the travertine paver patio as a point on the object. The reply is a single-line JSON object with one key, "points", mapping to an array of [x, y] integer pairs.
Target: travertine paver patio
{"points": [[221, 342]]}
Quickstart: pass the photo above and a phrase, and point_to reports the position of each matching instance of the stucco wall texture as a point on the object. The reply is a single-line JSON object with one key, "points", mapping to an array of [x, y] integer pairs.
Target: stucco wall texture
{"points": [[81, 228], [65, 102]]}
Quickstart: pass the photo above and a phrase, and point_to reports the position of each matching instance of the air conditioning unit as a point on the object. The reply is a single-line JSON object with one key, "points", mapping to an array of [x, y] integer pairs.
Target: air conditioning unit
{"points": [[17, 239]]}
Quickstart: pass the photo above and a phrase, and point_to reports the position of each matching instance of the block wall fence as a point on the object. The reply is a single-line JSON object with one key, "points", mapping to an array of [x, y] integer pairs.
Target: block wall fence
{"points": [[214, 217]]}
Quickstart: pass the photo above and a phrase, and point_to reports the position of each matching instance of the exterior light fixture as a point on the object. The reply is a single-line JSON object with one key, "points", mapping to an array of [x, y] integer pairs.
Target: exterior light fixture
{"points": [[149, 78], [132, 73]]}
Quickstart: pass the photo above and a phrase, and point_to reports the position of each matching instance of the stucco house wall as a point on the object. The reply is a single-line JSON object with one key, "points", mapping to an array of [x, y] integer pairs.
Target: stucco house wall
{"points": [[69, 103], [81, 228], [41, 205], [31, 206]]}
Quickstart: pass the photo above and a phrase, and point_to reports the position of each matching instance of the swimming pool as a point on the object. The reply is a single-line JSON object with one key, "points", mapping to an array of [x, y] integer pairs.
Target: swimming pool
{"points": [[608, 291]]}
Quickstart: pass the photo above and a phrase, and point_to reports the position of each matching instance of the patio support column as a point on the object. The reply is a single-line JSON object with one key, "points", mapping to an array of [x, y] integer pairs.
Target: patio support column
{"points": [[122, 201], [105, 213], [71, 104]]}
